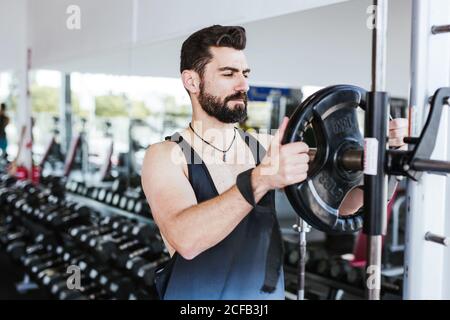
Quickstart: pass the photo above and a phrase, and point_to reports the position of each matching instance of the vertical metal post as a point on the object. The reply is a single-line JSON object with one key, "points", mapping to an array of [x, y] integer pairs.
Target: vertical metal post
{"points": [[427, 263], [302, 228], [65, 112], [377, 115]]}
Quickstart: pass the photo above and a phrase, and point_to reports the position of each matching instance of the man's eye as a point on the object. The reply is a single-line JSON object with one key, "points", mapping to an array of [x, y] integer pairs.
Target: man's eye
{"points": [[228, 75]]}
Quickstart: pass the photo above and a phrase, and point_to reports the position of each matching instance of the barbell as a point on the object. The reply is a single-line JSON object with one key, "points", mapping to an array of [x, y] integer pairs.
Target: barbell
{"points": [[337, 164]]}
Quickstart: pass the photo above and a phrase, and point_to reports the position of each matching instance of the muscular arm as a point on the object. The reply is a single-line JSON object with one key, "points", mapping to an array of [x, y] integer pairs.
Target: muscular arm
{"points": [[189, 227]]}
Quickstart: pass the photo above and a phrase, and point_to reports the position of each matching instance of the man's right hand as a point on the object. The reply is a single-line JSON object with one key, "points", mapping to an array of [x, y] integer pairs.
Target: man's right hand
{"points": [[282, 165]]}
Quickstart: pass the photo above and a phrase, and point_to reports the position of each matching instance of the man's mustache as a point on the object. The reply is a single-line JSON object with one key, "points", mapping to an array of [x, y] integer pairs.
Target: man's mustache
{"points": [[236, 96]]}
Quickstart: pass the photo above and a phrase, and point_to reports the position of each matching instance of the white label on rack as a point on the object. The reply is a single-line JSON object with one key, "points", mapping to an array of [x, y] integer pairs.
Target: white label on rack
{"points": [[370, 156]]}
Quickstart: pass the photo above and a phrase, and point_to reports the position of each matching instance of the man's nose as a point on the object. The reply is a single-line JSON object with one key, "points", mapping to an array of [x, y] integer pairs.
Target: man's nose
{"points": [[242, 85]]}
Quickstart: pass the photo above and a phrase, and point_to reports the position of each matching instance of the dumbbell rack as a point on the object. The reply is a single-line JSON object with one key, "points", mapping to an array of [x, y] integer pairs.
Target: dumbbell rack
{"points": [[29, 219], [322, 283], [107, 209]]}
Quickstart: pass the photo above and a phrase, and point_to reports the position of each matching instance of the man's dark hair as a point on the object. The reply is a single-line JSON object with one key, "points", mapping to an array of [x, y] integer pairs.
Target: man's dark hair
{"points": [[195, 53], [3, 107]]}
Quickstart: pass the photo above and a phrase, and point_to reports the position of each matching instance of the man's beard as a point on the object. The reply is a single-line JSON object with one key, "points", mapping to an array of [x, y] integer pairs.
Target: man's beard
{"points": [[218, 109]]}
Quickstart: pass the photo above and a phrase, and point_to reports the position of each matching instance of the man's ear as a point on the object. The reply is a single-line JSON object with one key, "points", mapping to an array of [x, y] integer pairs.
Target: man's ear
{"points": [[191, 81]]}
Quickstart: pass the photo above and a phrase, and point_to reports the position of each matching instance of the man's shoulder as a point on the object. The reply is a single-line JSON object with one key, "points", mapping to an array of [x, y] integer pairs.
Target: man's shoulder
{"points": [[164, 152]]}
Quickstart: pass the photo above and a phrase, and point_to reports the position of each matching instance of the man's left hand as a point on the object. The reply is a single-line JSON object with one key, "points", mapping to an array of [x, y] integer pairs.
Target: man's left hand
{"points": [[398, 129]]}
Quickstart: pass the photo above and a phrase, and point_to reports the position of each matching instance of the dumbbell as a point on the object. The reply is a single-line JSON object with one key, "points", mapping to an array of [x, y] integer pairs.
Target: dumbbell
{"points": [[120, 185], [108, 197], [355, 276], [90, 292], [73, 186], [142, 208], [123, 202], [68, 185], [85, 290], [93, 238], [147, 271], [135, 263], [43, 196], [147, 252], [56, 191], [80, 214], [323, 267], [339, 269], [48, 211], [126, 227], [38, 248], [11, 237], [49, 239], [61, 285], [8, 180], [292, 257], [118, 285], [107, 245], [52, 275], [6, 229], [314, 255], [78, 257], [11, 199], [16, 249], [115, 200], [56, 199], [24, 185], [32, 213], [71, 294], [98, 295], [52, 206], [93, 242], [117, 223], [101, 195], [70, 220], [85, 233], [76, 231], [55, 212], [92, 232], [55, 274], [138, 207], [87, 191], [19, 203], [143, 231], [94, 193], [80, 189], [112, 280], [109, 220], [37, 258], [38, 267], [95, 272], [115, 249], [32, 197], [142, 294], [131, 203]]}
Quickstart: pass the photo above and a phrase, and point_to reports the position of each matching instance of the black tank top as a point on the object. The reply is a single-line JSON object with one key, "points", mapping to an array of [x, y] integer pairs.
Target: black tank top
{"points": [[239, 266]]}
